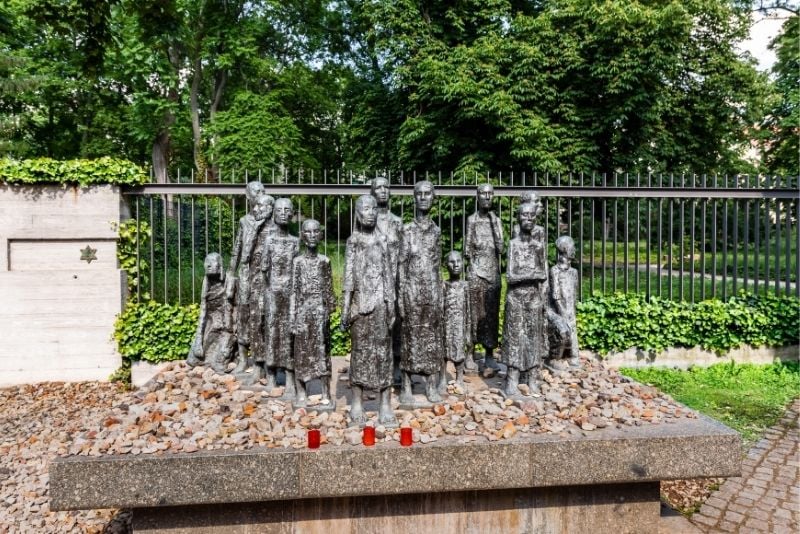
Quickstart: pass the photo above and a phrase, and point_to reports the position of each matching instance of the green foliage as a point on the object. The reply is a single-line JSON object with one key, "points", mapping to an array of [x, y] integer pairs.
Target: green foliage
{"points": [[748, 398], [781, 128], [133, 236], [340, 341], [155, 332], [616, 322], [73, 172]]}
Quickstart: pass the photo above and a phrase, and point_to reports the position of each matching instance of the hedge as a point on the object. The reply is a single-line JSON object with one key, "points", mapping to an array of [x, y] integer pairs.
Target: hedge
{"points": [[606, 323], [81, 172]]}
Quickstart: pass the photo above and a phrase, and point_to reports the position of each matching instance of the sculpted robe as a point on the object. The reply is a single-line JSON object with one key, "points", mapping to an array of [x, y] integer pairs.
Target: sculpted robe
{"points": [[483, 246], [276, 264], [421, 304]]}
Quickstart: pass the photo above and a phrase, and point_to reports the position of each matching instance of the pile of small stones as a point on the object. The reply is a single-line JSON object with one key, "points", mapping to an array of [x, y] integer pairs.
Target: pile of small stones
{"points": [[184, 410]]}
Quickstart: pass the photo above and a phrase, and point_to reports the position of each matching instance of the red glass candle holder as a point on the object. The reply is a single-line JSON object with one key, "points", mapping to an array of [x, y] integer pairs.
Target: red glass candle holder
{"points": [[406, 438], [368, 438], [313, 438]]}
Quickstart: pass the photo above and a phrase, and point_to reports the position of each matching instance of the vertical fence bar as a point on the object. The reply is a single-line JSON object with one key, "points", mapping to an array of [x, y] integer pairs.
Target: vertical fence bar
{"points": [[139, 270], [580, 230], [777, 269], [604, 216], [735, 239], [725, 243], [627, 238], [638, 235], [787, 246], [692, 225], [179, 213], [797, 248], [671, 238], [756, 244], [660, 248], [649, 235], [164, 231], [714, 244], [152, 250], [746, 246], [767, 203], [703, 214], [614, 245], [194, 251]]}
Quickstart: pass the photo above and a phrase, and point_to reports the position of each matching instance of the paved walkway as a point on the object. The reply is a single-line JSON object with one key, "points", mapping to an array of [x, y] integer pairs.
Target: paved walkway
{"points": [[766, 498]]}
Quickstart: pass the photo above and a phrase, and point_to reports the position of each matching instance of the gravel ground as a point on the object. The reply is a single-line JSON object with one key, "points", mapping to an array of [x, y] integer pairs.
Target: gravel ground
{"points": [[186, 410]]}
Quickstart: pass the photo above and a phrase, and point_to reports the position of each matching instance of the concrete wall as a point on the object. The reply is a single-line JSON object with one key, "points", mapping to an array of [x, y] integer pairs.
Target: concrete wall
{"points": [[683, 358], [57, 311]]}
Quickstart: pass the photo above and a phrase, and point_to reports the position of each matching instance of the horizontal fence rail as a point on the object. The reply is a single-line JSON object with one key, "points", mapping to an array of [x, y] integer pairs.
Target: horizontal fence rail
{"points": [[678, 237]]}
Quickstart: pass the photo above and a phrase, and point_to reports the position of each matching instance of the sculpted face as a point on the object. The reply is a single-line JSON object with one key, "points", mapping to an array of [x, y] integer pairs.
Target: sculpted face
{"points": [[283, 211], [263, 207], [424, 196], [253, 190], [566, 247], [380, 190], [485, 196], [213, 264], [527, 217], [367, 211], [311, 233], [454, 263]]}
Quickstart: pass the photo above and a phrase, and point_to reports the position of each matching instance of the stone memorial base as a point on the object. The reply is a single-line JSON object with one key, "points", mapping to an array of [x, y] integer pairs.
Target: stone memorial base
{"points": [[612, 508], [603, 481]]}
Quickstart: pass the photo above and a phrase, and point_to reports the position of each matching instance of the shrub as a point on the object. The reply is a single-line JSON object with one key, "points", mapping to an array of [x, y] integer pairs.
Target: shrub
{"points": [[71, 172], [609, 323], [156, 332]]}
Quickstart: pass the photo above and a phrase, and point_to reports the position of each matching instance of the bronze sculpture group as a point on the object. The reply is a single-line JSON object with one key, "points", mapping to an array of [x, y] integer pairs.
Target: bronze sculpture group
{"points": [[270, 312]]}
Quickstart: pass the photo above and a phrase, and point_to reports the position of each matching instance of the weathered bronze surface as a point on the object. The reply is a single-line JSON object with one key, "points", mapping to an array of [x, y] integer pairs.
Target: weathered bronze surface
{"points": [[421, 303], [214, 340], [457, 322]]}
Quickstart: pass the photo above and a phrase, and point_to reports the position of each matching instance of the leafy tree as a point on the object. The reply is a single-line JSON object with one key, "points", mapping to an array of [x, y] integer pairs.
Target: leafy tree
{"points": [[781, 128], [568, 85]]}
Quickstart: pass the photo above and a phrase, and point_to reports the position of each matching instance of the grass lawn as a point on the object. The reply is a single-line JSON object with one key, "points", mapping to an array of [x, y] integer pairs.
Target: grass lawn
{"points": [[748, 398]]}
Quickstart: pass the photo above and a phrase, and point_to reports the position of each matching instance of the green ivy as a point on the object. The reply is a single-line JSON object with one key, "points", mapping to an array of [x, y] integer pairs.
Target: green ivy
{"points": [[610, 323], [76, 171], [156, 332], [340, 341], [136, 267]]}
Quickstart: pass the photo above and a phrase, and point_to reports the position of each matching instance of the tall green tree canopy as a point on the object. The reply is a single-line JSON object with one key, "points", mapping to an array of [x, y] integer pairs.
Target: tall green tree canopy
{"points": [[567, 85]]}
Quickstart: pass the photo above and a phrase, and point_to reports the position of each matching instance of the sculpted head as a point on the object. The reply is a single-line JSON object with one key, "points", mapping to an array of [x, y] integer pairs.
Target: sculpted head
{"points": [[565, 247], [253, 190], [424, 195], [213, 264], [380, 190], [282, 212], [454, 263], [311, 233], [527, 217], [485, 196], [366, 211], [262, 209]]}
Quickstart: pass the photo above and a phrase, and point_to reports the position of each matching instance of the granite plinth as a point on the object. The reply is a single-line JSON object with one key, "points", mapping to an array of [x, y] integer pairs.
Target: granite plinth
{"points": [[686, 449], [619, 508]]}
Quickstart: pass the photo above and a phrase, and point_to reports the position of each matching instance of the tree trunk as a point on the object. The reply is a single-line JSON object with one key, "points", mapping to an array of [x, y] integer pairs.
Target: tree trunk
{"points": [[161, 149], [194, 107]]}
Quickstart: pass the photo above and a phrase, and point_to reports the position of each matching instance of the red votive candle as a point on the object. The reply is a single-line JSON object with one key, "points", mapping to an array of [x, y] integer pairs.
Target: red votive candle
{"points": [[369, 436], [313, 438], [405, 436]]}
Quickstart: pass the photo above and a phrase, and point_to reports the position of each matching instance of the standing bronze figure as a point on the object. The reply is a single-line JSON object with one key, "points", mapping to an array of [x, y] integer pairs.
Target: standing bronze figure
{"points": [[457, 319], [391, 226], [483, 247], [244, 272], [368, 307], [421, 305], [524, 328], [214, 341], [310, 306], [563, 296], [276, 264]]}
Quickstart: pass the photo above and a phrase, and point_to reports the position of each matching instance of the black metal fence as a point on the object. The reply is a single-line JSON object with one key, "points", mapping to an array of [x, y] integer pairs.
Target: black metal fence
{"points": [[683, 237]]}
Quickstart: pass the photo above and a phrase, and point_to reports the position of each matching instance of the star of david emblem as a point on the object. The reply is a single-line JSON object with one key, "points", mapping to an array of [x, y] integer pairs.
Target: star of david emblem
{"points": [[88, 254]]}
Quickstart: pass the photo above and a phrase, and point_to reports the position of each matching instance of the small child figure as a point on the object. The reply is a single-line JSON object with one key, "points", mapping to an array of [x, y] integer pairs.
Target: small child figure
{"points": [[311, 303], [457, 318], [214, 341], [563, 294]]}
